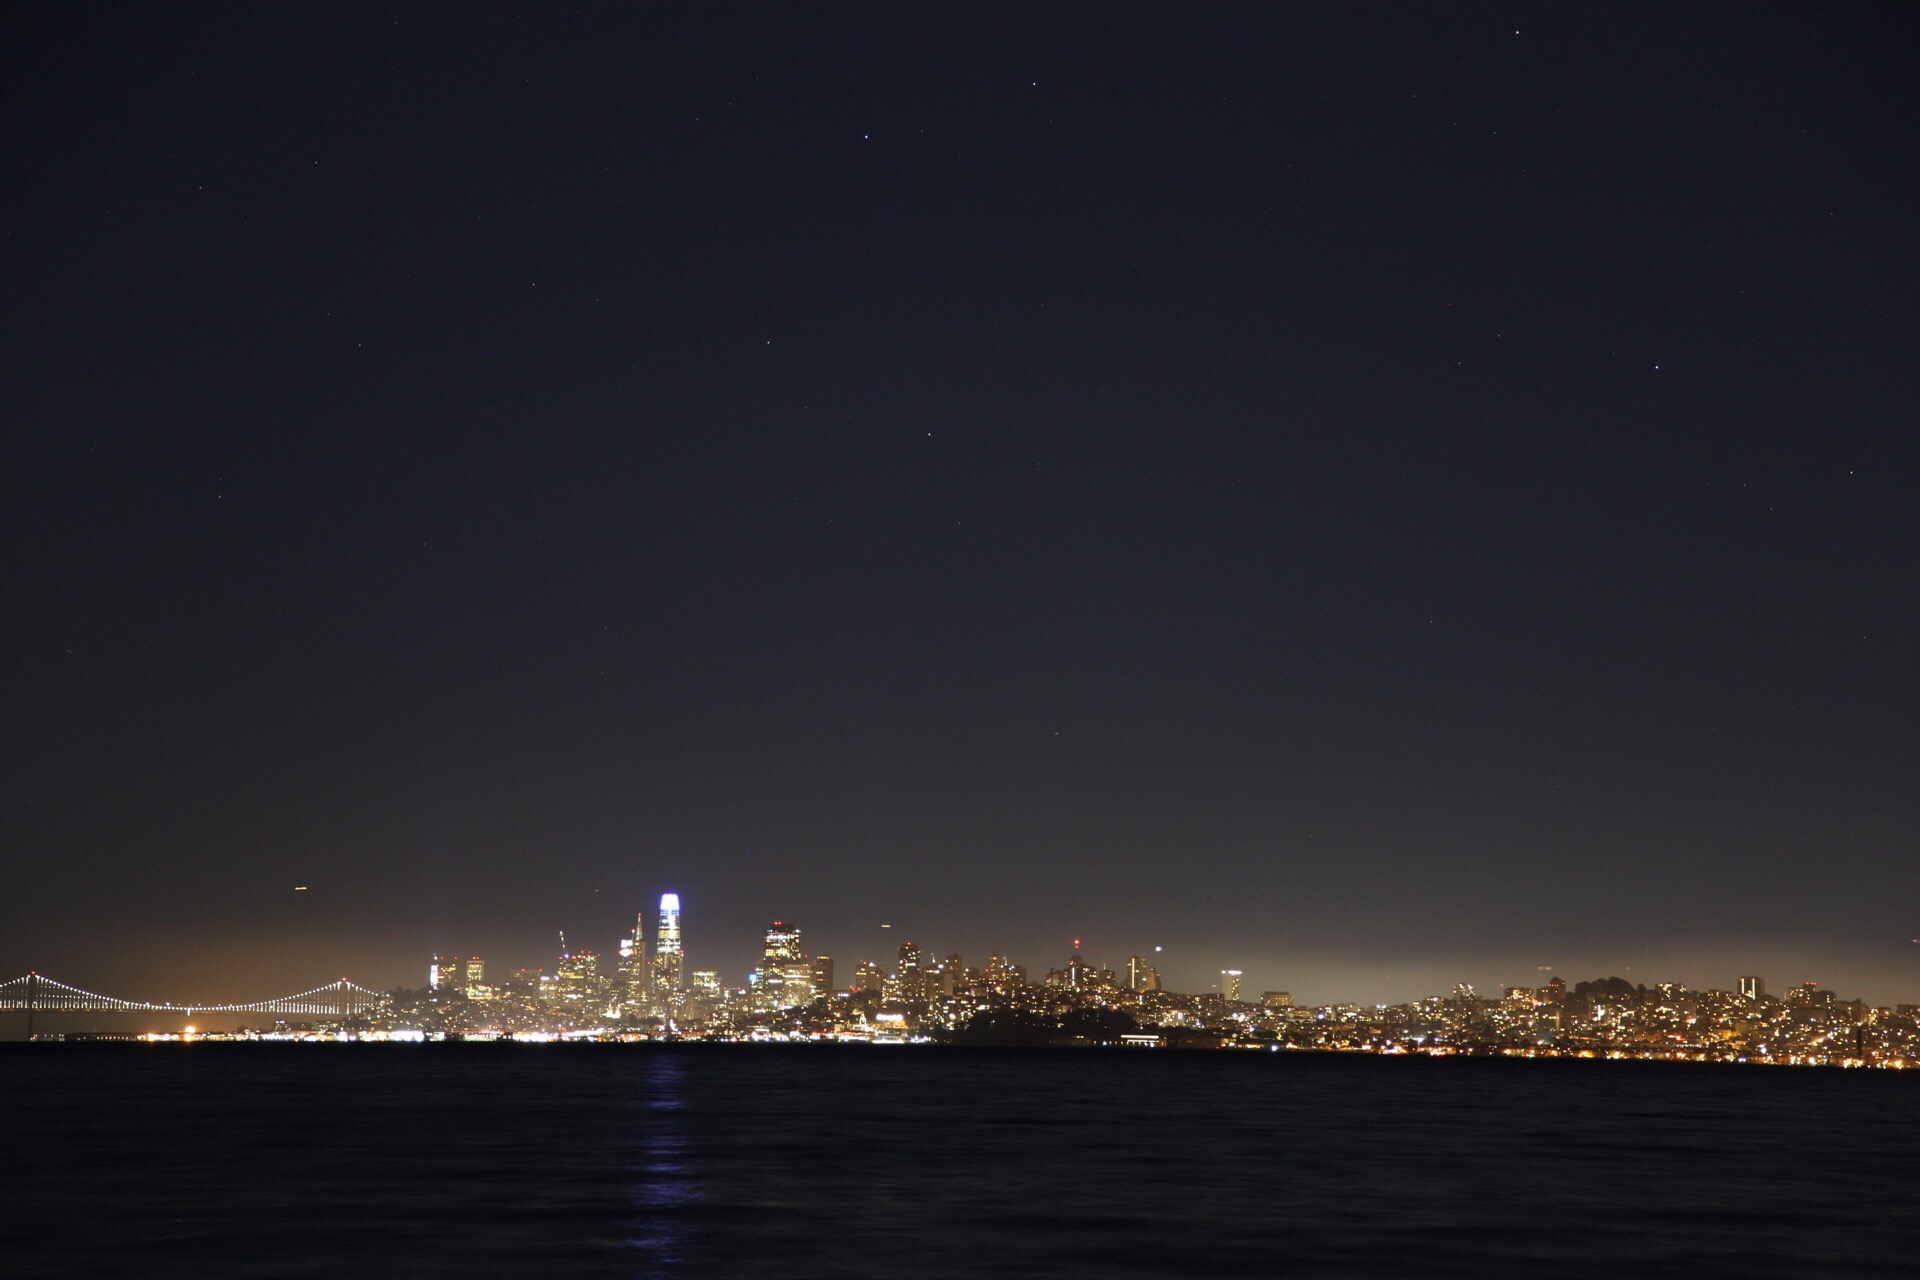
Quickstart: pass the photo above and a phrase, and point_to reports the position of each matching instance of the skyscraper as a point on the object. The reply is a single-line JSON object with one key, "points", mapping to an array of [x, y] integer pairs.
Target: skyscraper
{"points": [[913, 973], [953, 974], [785, 976], [444, 973], [633, 963], [577, 977], [1003, 977], [1752, 988], [1077, 976], [1141, 976], [1230, 984], [666, 952], [783, 945]]}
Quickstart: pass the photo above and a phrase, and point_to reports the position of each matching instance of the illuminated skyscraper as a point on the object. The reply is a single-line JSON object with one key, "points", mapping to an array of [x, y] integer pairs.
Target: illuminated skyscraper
{"points": [[1752, 988], [1230, 984], [1077, 976], [577, 977], [953, 974], [703, 999], [444, 973], [1141, 976], [783, 945], [913, 972], [1003, 977], [633, 963], [666, 952], [785, 976], [822, 975]]}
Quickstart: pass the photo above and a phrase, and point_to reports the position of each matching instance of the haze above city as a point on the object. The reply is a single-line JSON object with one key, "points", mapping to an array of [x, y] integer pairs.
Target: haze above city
{"points": [[1375, 497]]}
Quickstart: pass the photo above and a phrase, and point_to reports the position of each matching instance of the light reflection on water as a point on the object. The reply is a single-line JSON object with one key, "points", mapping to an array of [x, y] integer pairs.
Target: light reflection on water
{"points": [[665, 1189], [562, 1161]]}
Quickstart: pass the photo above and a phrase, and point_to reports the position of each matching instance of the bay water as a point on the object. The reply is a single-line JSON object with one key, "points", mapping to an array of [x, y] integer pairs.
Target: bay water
{"points": [[570, 1160]]}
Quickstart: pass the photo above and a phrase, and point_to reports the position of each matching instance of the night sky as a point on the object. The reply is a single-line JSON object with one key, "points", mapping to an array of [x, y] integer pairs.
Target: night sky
{"points": [[1371, 496]]}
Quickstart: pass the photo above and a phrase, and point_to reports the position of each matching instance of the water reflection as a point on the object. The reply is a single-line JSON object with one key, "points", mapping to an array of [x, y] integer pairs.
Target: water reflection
{"points": [[665, 1192]]}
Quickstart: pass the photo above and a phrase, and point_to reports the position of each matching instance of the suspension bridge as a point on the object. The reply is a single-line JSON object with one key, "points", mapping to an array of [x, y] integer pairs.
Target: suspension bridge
{"points": [[37, 993]]}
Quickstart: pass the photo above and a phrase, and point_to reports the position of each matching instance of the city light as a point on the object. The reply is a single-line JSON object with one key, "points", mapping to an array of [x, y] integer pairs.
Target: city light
{"points": [[922, 997]]}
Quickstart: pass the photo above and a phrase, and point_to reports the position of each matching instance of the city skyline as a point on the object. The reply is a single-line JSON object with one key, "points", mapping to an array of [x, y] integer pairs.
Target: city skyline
{"points": [[779, 955], [1365, 972], [929, 999]]}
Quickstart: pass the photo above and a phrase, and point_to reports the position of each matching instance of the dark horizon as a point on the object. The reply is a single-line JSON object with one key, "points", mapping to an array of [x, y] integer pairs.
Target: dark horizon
{"points": [[1373, 496]]}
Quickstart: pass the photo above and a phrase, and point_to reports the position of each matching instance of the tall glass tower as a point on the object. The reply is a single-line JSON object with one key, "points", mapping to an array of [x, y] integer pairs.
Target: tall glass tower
{"points": [[666, 951], [633, 963]]}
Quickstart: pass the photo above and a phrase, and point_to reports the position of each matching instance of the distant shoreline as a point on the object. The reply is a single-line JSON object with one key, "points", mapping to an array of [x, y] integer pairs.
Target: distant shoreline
{"points": [[116, 1042]]}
